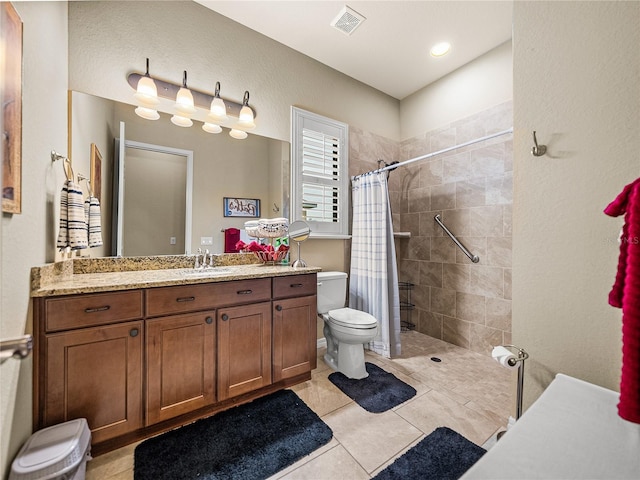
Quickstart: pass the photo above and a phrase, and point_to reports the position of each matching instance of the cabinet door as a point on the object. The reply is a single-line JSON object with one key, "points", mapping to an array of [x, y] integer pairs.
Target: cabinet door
{"points": [[96, 373], [294, 337], [180, 365], [244, 349]]}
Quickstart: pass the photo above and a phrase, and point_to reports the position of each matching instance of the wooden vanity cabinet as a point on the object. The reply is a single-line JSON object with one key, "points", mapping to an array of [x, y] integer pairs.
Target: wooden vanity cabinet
{"points": [[137, 362], [93, 372], [180, 365], [244, 349], [294, 326]]}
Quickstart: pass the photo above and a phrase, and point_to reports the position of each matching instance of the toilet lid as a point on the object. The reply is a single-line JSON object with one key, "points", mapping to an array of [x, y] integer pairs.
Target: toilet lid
{"points": [[348, 317]]}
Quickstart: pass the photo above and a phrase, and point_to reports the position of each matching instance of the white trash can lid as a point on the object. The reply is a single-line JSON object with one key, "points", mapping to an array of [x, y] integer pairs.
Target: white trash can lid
{"points": [[52, 451]]}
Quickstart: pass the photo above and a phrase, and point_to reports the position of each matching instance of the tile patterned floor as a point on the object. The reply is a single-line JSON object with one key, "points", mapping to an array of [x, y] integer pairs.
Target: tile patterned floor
{"points": [[466, 391]]}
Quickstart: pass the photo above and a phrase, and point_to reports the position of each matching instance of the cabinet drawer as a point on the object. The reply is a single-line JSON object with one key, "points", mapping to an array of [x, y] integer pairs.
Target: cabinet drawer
{"points": [[294, 285], [92, 309], [190, 298]]}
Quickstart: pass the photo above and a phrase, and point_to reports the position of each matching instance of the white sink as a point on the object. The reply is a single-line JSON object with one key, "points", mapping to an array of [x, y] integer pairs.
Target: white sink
{"points": [[206, 272]]}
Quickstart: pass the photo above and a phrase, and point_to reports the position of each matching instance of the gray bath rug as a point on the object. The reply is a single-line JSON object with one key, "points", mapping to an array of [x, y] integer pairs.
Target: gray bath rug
{"points": [[379, 392], [249, 442], [442, 455]]}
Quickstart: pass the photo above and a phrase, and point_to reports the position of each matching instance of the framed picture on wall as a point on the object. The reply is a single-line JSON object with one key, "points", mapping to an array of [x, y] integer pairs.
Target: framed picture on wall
{"points": [[241, 207], [11, 88], [96, 171]]}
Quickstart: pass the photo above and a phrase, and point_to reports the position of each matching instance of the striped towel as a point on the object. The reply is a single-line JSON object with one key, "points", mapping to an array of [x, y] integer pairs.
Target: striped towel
{"points": [[93, 220], [73, 228]]}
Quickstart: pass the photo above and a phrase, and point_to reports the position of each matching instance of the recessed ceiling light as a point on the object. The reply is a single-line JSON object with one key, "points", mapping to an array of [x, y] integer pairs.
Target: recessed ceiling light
{"points": [[440, 49]]}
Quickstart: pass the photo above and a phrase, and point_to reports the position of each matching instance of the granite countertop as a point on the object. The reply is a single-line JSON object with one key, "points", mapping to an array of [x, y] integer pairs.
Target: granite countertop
{"points": [[79, 276]]}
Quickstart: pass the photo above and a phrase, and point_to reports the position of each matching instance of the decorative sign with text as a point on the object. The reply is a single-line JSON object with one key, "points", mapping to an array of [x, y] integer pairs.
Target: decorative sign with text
{"points": [[241, 207]]}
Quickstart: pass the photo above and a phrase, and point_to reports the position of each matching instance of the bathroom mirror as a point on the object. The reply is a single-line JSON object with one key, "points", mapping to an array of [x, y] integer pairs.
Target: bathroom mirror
{"points": [[299, 232], [257, 167]]}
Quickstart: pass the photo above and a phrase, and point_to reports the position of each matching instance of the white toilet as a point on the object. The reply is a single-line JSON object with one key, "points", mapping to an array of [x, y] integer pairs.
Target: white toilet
{"points": [[345, 329]]}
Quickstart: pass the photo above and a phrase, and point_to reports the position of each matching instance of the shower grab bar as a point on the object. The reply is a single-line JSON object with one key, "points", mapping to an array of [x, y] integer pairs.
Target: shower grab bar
{"points": [[473, 258]]}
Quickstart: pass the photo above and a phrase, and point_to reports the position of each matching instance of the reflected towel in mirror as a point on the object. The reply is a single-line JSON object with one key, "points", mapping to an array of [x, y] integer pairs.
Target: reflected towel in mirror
{"points": [[93, 221], [73, 228]]}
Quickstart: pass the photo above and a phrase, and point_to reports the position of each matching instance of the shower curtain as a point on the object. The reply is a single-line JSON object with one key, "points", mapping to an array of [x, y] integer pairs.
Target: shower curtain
{"points": [[373, 283]]}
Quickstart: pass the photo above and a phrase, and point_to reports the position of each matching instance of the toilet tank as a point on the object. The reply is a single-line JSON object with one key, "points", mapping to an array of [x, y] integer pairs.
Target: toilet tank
{"points": [[332, 291]]}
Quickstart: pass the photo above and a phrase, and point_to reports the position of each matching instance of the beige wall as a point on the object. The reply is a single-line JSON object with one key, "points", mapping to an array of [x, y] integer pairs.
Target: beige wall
{"points": [[213, 48], [28, 238], [576, 77], [472, 88]]}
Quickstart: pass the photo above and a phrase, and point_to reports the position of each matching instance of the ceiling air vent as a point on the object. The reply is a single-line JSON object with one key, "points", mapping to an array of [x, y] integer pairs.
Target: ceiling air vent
{"points": [[347, 20]]}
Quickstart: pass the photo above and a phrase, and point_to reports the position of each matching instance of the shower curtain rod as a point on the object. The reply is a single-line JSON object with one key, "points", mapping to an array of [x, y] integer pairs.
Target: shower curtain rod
{"points": [[393, 166]]}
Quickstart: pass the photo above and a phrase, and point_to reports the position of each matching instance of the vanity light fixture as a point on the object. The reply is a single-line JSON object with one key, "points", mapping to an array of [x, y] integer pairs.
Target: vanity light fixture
{"points": [[188, 102], [147, 97], [184, 105]]}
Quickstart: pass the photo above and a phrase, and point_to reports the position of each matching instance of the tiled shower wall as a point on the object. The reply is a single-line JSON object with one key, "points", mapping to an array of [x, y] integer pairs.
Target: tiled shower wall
{"points": [[455, 300]]}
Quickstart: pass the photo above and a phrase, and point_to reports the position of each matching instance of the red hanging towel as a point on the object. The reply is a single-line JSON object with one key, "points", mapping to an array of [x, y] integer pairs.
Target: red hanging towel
{"points": [[626, 294], [231, 237]]}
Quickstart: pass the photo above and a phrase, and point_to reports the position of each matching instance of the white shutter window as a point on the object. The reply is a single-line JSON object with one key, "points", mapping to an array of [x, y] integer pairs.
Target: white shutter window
{"points": [[320, 173]]}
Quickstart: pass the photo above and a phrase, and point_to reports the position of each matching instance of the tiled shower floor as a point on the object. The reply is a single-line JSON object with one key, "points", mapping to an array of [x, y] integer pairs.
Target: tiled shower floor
{"points": [[467, 392]]}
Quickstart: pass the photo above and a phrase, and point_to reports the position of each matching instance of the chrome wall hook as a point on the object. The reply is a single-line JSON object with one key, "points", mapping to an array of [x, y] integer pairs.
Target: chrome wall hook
{"points": [[537, 150]]}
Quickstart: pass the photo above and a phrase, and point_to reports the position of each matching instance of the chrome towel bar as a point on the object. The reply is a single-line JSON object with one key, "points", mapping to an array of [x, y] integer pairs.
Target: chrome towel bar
{"points": [[473, 258], [16, 347]]}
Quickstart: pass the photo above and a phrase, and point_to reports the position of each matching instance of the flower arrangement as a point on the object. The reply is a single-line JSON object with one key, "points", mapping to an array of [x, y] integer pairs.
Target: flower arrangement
{"points": [[266, 253]]}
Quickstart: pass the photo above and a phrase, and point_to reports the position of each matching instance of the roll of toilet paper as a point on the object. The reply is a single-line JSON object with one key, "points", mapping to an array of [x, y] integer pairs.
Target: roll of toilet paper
{"points": [[501, 355]]}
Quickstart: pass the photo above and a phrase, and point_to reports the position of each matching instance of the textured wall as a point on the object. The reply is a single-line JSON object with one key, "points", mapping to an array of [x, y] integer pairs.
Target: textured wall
{"points": [[28, 238], [179, 36], [576, 76]]}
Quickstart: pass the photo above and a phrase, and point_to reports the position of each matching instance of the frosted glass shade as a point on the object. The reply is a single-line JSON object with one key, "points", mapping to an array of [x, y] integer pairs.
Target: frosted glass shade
{"points": [[184, 102], [218, 108], [211, 128], [181, 121], [239, 134], [147, 93], [245, 119], [148, 113]]}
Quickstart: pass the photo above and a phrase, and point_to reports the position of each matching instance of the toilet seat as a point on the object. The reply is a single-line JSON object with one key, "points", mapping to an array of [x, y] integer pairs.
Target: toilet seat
{"points": [[350, 318]]}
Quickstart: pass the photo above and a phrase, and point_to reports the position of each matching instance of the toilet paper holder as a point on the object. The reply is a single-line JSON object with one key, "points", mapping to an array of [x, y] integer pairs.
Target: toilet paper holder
{"points": [[522, 355], [519, 360]]}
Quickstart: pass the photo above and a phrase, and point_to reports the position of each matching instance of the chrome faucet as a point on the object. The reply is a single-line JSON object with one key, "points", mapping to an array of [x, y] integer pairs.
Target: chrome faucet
{"points": [[197, 264]]}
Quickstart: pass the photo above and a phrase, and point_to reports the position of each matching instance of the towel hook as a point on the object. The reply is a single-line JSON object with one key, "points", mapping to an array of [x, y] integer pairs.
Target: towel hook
{"points": [[66, 164], [82, 177], [537, 150]]}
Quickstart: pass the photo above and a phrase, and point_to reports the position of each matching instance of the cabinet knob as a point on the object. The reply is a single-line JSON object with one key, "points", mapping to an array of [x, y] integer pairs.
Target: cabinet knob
{"points": [[225, 317], [209, 320], [134, 332], [279, 308]]}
